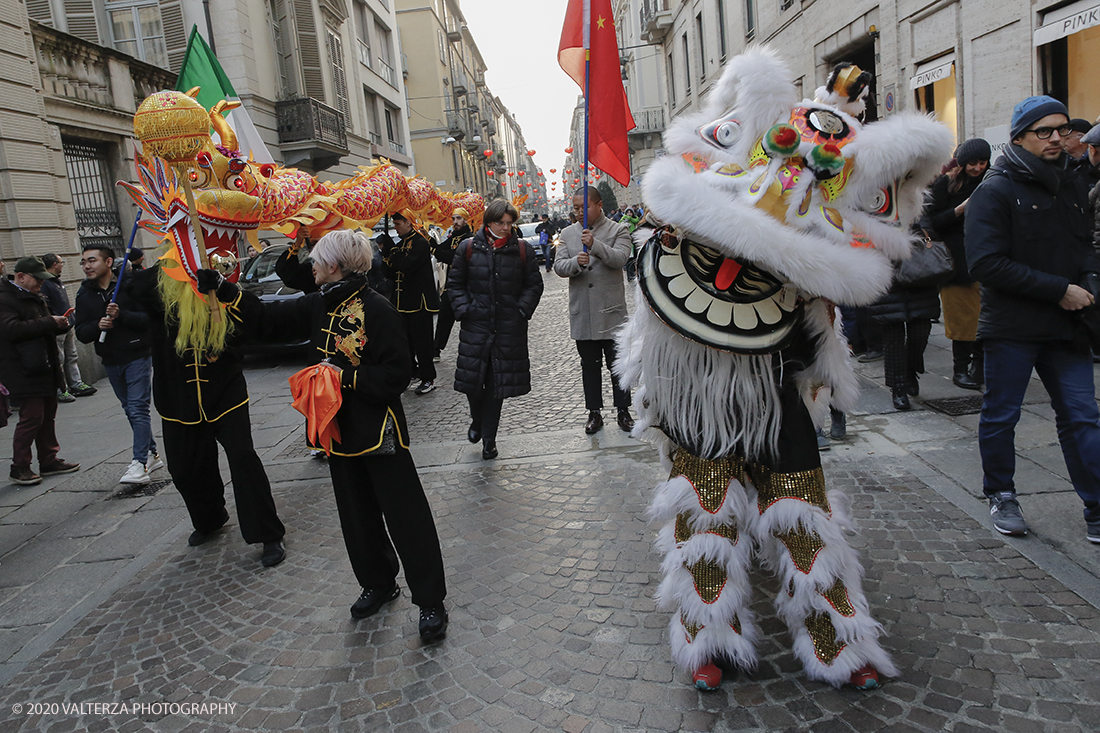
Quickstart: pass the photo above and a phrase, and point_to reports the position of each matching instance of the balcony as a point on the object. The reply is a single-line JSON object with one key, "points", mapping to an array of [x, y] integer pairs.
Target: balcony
{"points": [[647, 121], [387, 72], [311, 133], [459, 84], [490, 127], [457, 127], [656, 20], [454, 35], [76, 71]]}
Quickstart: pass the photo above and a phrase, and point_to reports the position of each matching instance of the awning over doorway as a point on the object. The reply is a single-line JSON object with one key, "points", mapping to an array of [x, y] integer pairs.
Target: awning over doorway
{"points": [[932, 71], [1067, 21]]}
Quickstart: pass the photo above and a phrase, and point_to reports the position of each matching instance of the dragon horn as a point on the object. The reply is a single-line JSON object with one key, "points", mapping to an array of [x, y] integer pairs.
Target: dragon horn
{"points": [[221, 125]]}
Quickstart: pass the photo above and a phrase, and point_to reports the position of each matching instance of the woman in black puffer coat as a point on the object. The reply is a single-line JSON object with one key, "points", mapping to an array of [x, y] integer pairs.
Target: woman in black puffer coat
{"points": [[494, 286], [905, 315]]}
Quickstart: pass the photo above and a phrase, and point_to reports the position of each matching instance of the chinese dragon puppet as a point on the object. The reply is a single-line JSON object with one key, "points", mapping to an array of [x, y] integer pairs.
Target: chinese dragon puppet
{"points": [[206, 201], [770, 210]]}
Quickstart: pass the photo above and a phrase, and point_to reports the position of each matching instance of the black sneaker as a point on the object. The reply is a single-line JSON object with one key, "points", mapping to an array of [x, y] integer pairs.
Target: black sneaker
{"points": [[1007, 517], [425, 387], [372, 599], [433, 623], [273, 554]]}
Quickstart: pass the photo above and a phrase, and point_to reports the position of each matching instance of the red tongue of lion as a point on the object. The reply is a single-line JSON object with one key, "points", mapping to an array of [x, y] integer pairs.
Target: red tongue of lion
{"points": [[727, 273]]}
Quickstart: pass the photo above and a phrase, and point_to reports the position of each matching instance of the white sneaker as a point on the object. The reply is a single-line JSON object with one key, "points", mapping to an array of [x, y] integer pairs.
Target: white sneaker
{"points": [[135, 474], [153, 462]]}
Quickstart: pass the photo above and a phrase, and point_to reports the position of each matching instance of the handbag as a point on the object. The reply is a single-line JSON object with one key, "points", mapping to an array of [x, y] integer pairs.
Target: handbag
{"points": [[929, 265]]}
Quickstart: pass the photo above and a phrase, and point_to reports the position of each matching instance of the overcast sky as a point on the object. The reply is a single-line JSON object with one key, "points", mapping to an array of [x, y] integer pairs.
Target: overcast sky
{"points": [[519, 42]]}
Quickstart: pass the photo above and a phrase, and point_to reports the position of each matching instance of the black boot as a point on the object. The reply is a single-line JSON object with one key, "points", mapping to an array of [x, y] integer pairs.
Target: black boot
{"points": [[901, 399], [962, 353]]}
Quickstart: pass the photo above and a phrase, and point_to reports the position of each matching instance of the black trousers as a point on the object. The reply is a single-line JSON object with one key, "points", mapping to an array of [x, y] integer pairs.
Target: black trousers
{"points": [[418, 326], [192, 455], [485, 408], [903, 347], [444, 323], [593, 355], [384, 515]]}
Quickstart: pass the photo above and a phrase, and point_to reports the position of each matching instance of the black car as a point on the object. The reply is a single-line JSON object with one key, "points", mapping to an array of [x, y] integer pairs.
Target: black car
{"points": [[258, 277]]}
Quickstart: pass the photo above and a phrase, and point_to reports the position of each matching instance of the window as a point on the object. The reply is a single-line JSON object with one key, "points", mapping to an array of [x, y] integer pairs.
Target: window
{"points": [[385, 54], [687, 64], [702, 50], [373, 129], [671, 80], [393, 129], [442, 46], [363, 17], [722, 28], [339, 78], [784, 4], [750, 18], [137, 30]]}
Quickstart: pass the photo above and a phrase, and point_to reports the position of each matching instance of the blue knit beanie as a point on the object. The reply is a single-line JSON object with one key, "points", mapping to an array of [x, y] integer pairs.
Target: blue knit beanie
{"points": [[1031, 109]]}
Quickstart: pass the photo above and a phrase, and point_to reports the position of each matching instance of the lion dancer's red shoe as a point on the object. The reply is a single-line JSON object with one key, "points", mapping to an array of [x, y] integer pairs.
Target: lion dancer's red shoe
{"points": [[865, 678], [708, 677]]}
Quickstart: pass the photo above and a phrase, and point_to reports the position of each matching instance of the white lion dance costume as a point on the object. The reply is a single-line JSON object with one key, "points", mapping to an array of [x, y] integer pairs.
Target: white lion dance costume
{"points": [[771, 208]]}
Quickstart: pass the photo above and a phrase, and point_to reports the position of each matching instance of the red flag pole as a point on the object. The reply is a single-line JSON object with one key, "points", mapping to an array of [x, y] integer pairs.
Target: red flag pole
{"points": [[587, 61]]}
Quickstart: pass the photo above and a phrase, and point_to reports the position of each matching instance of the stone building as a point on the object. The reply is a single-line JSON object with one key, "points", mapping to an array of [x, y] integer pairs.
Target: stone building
{"points": [[968, 63]]}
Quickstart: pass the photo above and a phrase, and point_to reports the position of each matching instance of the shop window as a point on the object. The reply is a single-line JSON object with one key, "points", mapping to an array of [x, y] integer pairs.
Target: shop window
{"points": [[1069, 71]]}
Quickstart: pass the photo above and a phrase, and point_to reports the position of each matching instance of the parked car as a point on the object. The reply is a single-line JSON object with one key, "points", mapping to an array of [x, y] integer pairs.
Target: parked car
{"points": [[258, 277], [528, 234]]}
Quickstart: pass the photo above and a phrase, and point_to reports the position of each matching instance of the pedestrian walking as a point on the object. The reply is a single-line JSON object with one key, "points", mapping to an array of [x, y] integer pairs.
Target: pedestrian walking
{"points": [[58, 299], [445, 253], [593, 260], [415, 295], [495, 286], [944, 215], [120, 332], [1028, 242], [30, 370]]}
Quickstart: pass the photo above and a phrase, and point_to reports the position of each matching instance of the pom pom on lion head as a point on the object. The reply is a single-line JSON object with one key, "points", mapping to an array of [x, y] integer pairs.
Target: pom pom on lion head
{"points": [[799, 189]]}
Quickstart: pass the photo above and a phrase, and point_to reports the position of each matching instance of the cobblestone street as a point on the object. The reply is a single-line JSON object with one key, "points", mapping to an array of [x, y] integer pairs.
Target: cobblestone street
{"points": [[551, 573]]}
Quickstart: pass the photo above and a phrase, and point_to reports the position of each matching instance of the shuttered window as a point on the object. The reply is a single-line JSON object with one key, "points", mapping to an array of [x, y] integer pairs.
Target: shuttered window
{"points": [[309, 50], [80, 20], [339, 78]]}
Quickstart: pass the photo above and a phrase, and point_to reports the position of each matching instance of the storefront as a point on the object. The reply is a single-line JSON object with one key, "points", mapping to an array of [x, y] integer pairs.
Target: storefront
{"points": [[933, 85], [1068, 42]]}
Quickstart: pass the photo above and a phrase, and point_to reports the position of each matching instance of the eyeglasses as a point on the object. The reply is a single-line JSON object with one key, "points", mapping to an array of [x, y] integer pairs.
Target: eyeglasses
{"points": [[1044, 133]]}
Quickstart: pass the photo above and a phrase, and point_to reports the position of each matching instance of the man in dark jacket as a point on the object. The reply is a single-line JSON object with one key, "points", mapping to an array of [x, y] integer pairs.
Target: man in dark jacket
{"points": [[1027, 242], [415, 296], [31, 371], [119, 331], [445, 253], [57, 298]]}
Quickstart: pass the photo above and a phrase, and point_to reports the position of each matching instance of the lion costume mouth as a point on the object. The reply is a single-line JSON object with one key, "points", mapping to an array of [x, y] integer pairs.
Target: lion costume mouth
{"points": [[718, 301]]}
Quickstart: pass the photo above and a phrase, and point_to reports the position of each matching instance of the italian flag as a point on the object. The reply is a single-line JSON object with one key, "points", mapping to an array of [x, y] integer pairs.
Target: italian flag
{"points": [[201, 69]]}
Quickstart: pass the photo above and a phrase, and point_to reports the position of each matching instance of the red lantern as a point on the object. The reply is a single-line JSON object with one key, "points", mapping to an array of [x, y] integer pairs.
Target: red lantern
{"points": [[569, 150], [510, 174], [576, 181], [522, 173], [530, 152], [488, 173], [488, 153], [569, 170], [553, 170]]}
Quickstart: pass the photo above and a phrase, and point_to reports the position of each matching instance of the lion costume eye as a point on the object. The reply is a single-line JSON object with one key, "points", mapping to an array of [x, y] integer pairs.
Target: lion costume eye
{"points": [[722, 133]]}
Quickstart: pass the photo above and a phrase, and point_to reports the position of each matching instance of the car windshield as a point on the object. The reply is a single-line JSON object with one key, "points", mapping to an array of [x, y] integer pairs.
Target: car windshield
{"points": [[527, 230], [262, 265]]}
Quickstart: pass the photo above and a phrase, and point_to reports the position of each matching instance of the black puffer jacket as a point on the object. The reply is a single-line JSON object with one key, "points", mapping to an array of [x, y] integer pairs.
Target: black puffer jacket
{"points": [[494, 293], [939, 215], [127, 340], [29, 365], [1027, 239], [902, 305]]}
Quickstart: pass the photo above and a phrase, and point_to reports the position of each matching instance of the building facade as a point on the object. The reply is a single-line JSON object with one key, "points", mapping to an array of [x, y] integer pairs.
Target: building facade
{"points": [[967, 63]]}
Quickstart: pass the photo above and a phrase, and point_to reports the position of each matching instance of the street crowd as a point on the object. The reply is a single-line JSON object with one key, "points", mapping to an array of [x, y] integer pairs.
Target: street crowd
{"points": [[1017, 295]]}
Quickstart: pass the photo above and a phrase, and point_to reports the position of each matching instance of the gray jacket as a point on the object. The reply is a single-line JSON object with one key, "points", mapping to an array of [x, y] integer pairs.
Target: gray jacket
{"points": [[597, 299]]}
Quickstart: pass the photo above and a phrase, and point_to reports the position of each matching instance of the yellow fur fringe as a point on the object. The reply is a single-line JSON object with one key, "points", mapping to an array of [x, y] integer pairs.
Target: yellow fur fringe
{"points": [[192, 313]]}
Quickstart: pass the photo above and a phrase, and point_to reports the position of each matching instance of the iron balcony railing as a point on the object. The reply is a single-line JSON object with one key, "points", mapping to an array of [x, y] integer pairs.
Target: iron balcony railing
{"points": [[308, 120]]}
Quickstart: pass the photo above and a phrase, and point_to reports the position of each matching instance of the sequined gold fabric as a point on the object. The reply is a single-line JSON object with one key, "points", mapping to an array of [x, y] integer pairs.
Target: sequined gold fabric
{"points": [[684, 532], [691, 629], [803, 545], [710, 479], [736, 624], [837, 596], [807, 486], [709, 578], [823, 635]]}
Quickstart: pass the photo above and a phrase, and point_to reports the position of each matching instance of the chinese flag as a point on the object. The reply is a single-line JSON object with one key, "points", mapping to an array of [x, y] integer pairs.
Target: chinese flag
{"points": [[609, 116]]}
